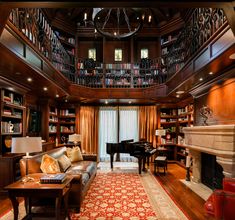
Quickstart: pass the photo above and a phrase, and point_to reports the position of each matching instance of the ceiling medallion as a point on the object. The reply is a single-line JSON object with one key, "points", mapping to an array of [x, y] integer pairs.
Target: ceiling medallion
{"points": [[117, 23]]}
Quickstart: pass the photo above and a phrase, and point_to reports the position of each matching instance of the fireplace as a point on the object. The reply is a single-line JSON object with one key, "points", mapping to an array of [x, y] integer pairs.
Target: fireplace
{"points": [[211, 172], [217, 141]]}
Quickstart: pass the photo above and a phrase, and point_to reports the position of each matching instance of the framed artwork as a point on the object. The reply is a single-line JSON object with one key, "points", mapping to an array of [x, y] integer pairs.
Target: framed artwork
{"points": [[118, 55], [92, 54], [144, 53]]}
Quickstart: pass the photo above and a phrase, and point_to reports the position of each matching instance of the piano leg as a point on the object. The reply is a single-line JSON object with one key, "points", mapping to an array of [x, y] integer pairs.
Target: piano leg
{"points": [[111, 160], [140, 164], [144, 161]]}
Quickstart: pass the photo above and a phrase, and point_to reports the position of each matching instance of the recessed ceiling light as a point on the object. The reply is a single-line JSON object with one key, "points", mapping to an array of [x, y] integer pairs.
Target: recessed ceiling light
{"points": [[232, 56], [129, 102], [66, 100], [57, 96], [201, 79], [211, 73], [29, 79], [106, 102], [177, 96], [180, 92], [45, 88]]}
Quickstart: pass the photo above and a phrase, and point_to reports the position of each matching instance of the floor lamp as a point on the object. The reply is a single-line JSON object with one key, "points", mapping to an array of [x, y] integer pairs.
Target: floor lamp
{"points": [[26, 145]]}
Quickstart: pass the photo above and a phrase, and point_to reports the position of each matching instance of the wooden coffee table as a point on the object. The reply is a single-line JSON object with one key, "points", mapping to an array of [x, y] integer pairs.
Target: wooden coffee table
{"points": [[34, 189]]}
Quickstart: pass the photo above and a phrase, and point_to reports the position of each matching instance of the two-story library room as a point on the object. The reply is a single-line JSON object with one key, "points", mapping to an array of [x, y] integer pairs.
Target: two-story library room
{"points": [[117, 110]]}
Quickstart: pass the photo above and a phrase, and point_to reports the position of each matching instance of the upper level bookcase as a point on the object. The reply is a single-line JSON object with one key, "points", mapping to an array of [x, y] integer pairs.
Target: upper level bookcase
{"points": [[69, 44], [167, 41]]}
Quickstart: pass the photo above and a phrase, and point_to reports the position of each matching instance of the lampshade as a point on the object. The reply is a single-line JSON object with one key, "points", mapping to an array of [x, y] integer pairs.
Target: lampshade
{"points": [[160, 132], [74, 138], [26, 144]]}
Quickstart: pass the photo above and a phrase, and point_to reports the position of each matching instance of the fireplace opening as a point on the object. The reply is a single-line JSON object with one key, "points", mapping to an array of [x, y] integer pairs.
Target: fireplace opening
{"points": [[211, 172]]}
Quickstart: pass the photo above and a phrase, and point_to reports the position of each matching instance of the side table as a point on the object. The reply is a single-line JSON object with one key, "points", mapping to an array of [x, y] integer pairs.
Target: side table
{"points": [[34, 189]]}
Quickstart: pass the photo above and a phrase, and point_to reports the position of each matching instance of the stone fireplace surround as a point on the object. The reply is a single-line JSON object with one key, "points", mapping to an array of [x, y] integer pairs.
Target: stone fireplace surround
{"points": [[218, 140]]}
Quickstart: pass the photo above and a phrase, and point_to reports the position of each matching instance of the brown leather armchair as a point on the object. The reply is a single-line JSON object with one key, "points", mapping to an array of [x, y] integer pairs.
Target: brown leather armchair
{"points": [[221, 203]]}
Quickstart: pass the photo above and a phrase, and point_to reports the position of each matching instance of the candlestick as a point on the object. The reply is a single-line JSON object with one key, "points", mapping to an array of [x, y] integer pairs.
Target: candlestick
{"points": [[188, 161]]}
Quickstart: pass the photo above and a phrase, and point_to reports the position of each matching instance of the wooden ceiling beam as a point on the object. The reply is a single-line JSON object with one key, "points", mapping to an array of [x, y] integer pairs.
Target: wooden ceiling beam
{"points": [[120, 3]]}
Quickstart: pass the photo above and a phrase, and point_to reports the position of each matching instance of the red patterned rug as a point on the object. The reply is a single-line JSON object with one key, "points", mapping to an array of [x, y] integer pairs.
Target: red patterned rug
{"points": [[116, 196], [123, 194]]}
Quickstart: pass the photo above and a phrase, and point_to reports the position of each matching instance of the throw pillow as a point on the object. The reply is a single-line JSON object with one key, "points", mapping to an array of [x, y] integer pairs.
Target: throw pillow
{"points": [[74, 154], [64, 163], [49, 164]]}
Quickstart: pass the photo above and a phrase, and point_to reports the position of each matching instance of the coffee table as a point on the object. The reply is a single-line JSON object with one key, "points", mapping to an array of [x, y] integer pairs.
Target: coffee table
{"points": [[35, 189]]}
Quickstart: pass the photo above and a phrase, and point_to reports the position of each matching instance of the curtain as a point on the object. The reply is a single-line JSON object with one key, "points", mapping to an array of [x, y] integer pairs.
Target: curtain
{"points": [[148, 123], [89, 128], [128, 128], [108, 128]]}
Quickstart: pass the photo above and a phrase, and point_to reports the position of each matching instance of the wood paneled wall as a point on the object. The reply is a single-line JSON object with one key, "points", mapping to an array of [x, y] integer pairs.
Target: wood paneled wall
{"points": [[110, 47], [84, 46], [153, 47], [105, 49], [220, 99]]}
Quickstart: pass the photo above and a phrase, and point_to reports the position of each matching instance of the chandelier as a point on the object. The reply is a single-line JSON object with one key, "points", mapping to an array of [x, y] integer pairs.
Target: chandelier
{"points": [[117, 23]]}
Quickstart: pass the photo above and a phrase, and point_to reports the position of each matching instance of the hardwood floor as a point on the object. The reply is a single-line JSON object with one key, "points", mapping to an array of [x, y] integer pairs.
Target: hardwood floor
{"points": [[187, 200]]}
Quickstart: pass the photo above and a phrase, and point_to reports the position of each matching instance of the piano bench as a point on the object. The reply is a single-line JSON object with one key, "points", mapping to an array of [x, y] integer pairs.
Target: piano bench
{"points": [[160, 161]]}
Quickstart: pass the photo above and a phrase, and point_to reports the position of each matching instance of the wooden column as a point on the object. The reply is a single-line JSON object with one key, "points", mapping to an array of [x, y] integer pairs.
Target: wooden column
{"points": [[4, 12], [104, 55], [132, 61], [230, 14]]}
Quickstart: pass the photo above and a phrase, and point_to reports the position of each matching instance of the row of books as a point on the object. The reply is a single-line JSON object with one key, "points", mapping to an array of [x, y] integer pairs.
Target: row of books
{"points": [[53, 178], [168, 120], [52, 128], [9, 127], [53, 118], [12, 113], [67, 112], [67, 129]]}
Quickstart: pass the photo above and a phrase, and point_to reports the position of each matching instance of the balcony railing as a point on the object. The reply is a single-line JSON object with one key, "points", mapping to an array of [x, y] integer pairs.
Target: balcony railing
{"points": [[200, 28]]}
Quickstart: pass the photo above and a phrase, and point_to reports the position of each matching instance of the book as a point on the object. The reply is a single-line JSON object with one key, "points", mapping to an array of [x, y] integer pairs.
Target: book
{"points": [[53, 178]]}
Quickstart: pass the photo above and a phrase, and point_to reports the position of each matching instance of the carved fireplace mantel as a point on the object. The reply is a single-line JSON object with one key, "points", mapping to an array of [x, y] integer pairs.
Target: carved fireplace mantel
{"points": [[218, 140]]}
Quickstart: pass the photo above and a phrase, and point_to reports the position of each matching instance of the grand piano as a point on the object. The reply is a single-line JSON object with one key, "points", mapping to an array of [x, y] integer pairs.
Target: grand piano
{"points": [[141, 150]]}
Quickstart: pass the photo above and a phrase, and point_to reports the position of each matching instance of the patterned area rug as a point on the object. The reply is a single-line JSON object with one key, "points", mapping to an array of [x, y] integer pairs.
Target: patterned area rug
{"points": [[123, 194]]}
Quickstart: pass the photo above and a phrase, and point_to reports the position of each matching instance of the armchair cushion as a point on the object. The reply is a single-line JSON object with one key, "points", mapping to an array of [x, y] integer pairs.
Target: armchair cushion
{"points": [[229, 184], [221, 203]]}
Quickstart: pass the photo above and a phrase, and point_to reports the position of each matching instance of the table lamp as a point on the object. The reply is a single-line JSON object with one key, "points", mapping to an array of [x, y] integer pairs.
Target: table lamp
{"points": [[75, 138], [160, 132], [26, 145]]}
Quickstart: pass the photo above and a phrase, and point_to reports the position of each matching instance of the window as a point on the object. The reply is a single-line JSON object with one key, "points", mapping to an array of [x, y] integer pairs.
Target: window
{"points": [[118, 55], [144, 53], [92, 54], [109, 121], [108, 128]]}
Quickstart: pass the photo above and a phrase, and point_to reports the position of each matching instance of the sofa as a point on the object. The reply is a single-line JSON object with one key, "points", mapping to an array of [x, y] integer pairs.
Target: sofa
{"points": [[83, 173], [221, 203]]}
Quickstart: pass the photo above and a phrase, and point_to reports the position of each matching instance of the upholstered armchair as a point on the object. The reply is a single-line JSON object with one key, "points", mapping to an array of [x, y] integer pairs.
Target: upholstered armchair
{"points": [[221, 203]]}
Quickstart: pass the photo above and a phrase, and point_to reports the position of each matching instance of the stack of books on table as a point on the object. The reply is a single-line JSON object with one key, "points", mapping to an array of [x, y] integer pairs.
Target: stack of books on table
{"points": [[53, 178]]}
